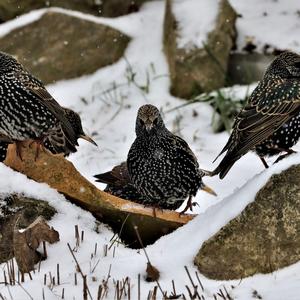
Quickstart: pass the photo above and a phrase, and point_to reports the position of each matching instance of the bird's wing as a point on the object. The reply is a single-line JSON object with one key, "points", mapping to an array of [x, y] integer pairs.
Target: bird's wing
{"points": [[36, 87], [268, 108], [118, 176], [185, 153]]}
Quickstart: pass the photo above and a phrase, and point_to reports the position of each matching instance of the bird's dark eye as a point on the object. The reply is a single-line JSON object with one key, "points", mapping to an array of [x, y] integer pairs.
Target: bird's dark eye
{"points": [[142, 122], [297, 64], [155, 121]]}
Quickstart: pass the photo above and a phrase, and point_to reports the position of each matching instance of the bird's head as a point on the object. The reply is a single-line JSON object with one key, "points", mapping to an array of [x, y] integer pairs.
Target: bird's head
{"points": [[75, 122], [148, 121], [285, 65]]}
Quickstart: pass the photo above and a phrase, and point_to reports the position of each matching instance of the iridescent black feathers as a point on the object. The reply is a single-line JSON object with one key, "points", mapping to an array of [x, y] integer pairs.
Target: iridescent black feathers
{"points": [[269, 122]]}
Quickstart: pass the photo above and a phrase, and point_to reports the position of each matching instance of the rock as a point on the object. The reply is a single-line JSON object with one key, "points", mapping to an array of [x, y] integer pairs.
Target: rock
{"points": [[10, 9], [25, 210], [198, 70], [58, 46], [115, 8], [265, 237], [247, 68]]}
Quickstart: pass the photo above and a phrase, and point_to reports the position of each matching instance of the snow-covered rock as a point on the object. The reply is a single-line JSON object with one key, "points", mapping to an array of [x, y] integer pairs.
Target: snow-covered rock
{"points": [[198, 36], [265, 237], [105, 8], [60, 46]]}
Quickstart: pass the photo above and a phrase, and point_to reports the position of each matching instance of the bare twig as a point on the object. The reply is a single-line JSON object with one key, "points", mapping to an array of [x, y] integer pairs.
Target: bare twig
{"points": [[149, 262], [78, 267]]}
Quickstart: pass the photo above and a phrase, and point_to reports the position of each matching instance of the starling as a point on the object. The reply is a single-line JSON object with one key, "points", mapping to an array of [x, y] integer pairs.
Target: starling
{"points": [[55, 147], [161, 165], [119, 184], [28, 111], [270, 121]]}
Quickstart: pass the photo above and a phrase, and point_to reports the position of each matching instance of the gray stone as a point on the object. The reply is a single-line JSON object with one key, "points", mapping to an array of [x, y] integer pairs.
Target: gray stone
{"points": [[25, 210], [201, 69], [247, 68], [10, 9], [115, 8], [58, 46], [265, 237]]}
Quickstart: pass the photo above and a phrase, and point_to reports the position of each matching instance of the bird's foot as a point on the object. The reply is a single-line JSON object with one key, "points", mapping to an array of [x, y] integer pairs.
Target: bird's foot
{"points": [[207, 173], [39, 146], [155, 209], [189, 205]]}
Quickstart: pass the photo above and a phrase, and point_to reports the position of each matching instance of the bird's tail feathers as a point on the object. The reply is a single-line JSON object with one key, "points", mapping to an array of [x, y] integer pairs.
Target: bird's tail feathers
{"points": [[224, 166], [223, 150], [106, 177]]}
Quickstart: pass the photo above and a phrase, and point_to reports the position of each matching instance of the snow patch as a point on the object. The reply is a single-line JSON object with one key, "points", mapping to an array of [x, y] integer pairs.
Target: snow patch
{"points": [[196, 18], [276, 23]]}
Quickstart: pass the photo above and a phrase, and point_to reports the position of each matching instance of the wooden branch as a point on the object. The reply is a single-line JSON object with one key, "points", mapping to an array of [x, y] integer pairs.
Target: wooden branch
{"points": [[61, 175]]}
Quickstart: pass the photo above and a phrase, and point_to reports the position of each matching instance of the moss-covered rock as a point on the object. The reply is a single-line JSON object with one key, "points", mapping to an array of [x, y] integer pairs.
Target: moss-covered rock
{"points": [[265, 237], [199, 69], [58, 46], [25, 210]]}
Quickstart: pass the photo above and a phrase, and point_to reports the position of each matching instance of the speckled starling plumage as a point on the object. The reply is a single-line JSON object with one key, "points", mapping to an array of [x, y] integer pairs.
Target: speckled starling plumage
{"points": [[48, 144], [161, 165], [3, 150], [269, 122], [119, 183], [28, 111]]}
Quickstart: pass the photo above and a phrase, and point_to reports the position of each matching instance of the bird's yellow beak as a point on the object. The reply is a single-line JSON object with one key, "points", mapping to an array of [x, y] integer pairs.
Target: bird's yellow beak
{"points": [[208, 190], [89, 139]]}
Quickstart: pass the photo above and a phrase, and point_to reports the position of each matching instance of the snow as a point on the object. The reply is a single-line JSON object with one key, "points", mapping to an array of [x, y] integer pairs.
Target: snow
{"points": [[273, 22], [108, 114], [195, 19]]}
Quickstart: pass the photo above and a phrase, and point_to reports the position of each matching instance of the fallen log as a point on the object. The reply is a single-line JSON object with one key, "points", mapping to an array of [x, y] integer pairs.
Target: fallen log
{"points": [[121, 215]]}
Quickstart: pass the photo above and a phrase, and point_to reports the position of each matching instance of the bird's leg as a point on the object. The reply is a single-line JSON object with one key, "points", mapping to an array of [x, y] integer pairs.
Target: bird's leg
{"points": [[155, 208], [154, 211], [31, 143], [19, 146], [288, 152], [39, 145], [189, 205], [264, 162]]}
